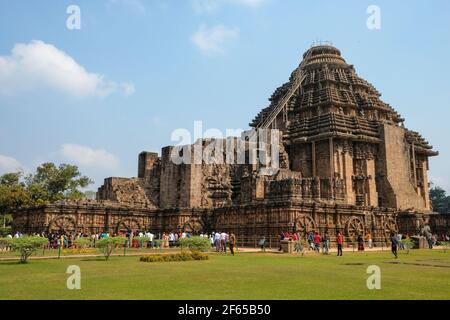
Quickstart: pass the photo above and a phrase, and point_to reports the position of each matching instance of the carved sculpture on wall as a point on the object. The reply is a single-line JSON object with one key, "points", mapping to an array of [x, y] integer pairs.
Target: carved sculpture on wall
{"points": [[353, 228], [127, 225], [63, 225], [305, 225], [193, 226]]}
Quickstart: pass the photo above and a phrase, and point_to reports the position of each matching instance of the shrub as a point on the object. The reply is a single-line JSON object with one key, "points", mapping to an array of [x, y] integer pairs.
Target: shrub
{"points": [[27, 246], [108, 245], [82, 243], [159, 244], [142, 240], [407, 244], [5, 243], [198, 255], [5, 231], [195, 243], [445, 245], [175, 257]]}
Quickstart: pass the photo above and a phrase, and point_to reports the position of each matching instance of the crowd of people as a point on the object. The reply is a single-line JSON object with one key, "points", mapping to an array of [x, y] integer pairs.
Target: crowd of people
{"points": [[316, 242], [223, 242]]}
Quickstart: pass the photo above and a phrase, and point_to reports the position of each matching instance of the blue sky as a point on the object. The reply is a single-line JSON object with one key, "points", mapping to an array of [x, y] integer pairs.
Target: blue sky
{"points": [[137, 70]]}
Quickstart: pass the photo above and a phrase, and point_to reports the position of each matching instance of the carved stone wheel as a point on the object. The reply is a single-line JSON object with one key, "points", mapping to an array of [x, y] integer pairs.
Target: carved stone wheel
{"points": [[128, 225], [194, 226], [305, 225], [390, 226], [62, 225], [354, 228]]}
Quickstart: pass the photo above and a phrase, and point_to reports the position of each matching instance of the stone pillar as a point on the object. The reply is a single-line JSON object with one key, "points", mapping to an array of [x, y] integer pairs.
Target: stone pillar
{"points": [[372, 192], [347, 175], [425, 184], [313, 157]]}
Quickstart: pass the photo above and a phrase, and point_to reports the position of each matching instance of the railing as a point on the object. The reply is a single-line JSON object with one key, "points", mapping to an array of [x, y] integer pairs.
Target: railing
{"points": [[299, 78]]}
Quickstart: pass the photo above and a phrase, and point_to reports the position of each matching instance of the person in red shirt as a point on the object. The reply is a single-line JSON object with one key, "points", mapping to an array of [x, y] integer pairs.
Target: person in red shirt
{"points": [[294, 237], [340, 240], [317, 242]]}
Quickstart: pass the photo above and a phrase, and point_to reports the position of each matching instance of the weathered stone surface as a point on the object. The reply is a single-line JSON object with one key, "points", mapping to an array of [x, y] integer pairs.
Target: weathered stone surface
{"points": [[347, 164]]}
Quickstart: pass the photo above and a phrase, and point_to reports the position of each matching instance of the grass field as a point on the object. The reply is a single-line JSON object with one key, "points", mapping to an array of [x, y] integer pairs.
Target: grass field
{"points": [[420, 275]]}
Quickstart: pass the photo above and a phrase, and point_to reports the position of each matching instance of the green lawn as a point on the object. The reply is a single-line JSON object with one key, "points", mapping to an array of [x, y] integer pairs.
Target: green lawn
{"points": [[419, 275]]}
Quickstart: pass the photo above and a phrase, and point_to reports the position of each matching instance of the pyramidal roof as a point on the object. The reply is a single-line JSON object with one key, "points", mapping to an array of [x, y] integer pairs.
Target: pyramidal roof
{"points": [[330, 98]]}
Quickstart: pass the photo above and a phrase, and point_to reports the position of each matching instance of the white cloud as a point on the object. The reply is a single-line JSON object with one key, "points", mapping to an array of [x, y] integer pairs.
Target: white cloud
{"points": [[8, 164], [212, 40], [88, 157], [210, 6], [40, 66]]}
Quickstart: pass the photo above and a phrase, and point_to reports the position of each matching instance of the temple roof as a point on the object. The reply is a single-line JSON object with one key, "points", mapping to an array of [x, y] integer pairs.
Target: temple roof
{"points": [[329, 97]]}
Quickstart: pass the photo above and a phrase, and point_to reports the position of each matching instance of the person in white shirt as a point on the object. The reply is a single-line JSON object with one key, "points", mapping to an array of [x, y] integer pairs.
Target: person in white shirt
{"points": [[223, 242], [217, 241]]}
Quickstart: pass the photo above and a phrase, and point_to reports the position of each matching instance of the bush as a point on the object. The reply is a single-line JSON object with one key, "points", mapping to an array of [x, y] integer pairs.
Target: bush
{"points": [[142, 240], [176, 257], [5, 243], [195, 243], [445, 245], [27, 246], [108, 245], [5, 231], [82, 243], [407, 244]]}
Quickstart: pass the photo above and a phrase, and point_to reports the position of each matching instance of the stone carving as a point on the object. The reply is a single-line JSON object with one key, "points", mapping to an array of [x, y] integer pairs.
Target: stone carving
{"points": [[346, 162]]}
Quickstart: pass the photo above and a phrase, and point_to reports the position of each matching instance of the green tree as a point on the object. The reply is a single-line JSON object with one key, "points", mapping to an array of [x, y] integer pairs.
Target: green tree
{"points": [[51, 183], [13, 194], [27, 246], [439, 199], [82, 243], [108, 245]]}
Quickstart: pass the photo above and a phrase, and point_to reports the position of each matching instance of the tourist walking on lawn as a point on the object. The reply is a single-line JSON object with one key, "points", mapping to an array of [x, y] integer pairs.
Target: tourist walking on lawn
{"points": [[217, 241], [223, 242], [281, 236], [325, 243], [310, 239], [232, 243], [394, 242], [369, 240], [317, 242], [262, 244], [340, 241], [360, 243]]}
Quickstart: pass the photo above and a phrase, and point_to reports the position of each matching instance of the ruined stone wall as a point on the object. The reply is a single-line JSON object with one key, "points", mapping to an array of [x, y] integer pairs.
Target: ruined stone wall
{"points": [[395, 170], [125, 191]]}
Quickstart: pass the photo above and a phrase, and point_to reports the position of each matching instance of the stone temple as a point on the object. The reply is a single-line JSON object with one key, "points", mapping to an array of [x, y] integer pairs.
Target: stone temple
{"points": [[347, 163]]}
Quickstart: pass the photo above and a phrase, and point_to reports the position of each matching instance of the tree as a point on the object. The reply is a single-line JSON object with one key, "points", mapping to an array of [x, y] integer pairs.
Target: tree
{"points": [[27, 246], [13, 194], [51, 183], [108, 245], [439, 199], [82, 243], [142, 241]]}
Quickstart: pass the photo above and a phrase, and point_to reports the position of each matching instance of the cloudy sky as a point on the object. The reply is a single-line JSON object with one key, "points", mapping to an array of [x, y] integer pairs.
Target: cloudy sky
{"points": [[137, 70]]}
